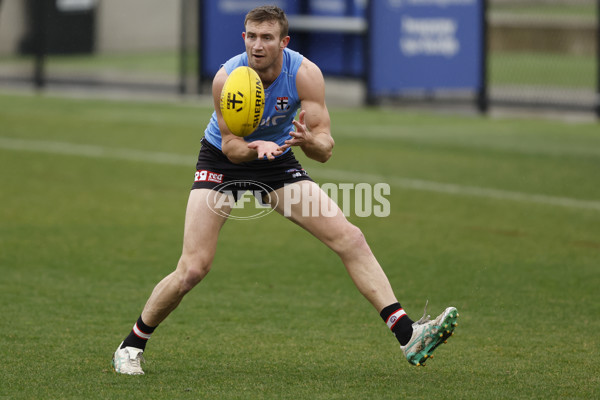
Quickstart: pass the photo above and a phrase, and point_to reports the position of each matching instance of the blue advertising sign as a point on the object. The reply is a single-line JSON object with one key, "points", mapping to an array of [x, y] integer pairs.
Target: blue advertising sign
{"points": [[424, 45], [336, 53]]}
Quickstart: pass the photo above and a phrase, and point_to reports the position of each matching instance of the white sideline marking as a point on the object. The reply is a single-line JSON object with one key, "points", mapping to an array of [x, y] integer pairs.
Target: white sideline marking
{"points": [[85, 150], [52, 147], [456, 189]]}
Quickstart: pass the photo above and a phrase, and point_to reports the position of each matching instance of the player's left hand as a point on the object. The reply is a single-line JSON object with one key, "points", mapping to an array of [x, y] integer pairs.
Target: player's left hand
{"points": [[300, 136]]}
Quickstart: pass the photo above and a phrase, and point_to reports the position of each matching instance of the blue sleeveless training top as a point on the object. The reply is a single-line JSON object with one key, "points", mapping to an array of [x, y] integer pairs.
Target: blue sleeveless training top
{"points": [[281, 102]]}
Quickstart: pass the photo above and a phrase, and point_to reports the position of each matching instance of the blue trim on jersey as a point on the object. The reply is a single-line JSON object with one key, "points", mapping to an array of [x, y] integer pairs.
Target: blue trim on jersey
{"points": [[281, 103]]}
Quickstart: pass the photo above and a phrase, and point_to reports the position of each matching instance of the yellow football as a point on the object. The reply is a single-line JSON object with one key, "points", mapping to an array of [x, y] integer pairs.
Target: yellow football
{"points": [[242, 101]]}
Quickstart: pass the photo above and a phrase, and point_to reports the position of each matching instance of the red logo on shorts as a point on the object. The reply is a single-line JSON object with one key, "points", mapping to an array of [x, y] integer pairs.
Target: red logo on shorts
{"points": [[208, 176]]}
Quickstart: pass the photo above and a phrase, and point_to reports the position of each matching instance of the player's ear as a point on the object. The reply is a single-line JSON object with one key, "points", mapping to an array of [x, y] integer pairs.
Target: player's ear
{"points": [[244, 35], [284, 42]]}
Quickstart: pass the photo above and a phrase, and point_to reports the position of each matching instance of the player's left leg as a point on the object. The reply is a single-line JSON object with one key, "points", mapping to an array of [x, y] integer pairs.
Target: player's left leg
{"points": [[317, 213], [327, 223]]}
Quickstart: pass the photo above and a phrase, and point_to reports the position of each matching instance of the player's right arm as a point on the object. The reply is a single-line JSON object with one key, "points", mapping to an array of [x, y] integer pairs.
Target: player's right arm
{"points": [[234, 147]]}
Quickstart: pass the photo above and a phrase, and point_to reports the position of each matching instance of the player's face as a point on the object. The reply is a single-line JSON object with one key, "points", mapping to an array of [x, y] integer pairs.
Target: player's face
{"points": [[263, 44]]}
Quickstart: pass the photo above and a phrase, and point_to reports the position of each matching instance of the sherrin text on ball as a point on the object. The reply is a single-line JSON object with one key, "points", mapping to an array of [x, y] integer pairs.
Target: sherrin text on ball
{"points": [[242, 101]]}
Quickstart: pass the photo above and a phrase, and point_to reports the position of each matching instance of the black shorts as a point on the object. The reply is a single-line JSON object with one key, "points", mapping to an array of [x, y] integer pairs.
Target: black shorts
{"points": [[215, 171]]}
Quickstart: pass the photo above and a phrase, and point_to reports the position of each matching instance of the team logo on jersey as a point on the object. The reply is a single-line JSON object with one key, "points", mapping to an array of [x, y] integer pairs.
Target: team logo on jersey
{"points": [[282, 104]]}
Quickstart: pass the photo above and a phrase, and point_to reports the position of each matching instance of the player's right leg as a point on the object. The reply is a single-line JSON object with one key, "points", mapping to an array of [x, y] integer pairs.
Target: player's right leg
{"points": [[202, 226]]}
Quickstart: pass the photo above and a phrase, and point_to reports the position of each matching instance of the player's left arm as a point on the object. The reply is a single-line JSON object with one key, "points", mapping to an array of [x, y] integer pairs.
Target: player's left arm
{"points": [[313, 127]]}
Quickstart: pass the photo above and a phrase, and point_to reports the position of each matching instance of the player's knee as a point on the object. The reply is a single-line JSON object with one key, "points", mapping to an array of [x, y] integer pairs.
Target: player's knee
{"points": [[192, 277], [351, 239], [192, 272]]}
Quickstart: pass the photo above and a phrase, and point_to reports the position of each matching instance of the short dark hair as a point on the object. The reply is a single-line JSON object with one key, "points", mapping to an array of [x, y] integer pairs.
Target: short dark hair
{"points": [[269, 13]]}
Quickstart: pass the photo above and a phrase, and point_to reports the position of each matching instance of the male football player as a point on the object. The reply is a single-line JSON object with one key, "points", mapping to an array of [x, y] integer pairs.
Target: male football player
{"points": [[265, 159]]}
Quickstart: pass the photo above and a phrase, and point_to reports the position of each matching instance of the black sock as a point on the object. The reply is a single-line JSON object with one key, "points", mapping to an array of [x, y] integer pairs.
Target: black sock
{"points": [[397, 320], [139, 335]]}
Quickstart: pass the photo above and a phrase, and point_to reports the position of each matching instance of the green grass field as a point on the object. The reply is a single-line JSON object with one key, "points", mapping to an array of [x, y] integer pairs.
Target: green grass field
{"points": [[549, 70], [157, 63], [500, 218]]}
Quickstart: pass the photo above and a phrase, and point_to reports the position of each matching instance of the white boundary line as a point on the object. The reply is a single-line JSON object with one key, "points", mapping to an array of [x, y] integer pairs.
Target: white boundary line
{"points": [[82, 150], [93, 151], [461, 190]]}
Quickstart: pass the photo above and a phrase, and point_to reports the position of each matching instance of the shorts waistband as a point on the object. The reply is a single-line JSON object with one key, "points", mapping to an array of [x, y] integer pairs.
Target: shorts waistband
{"points": [[288, 155]]}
